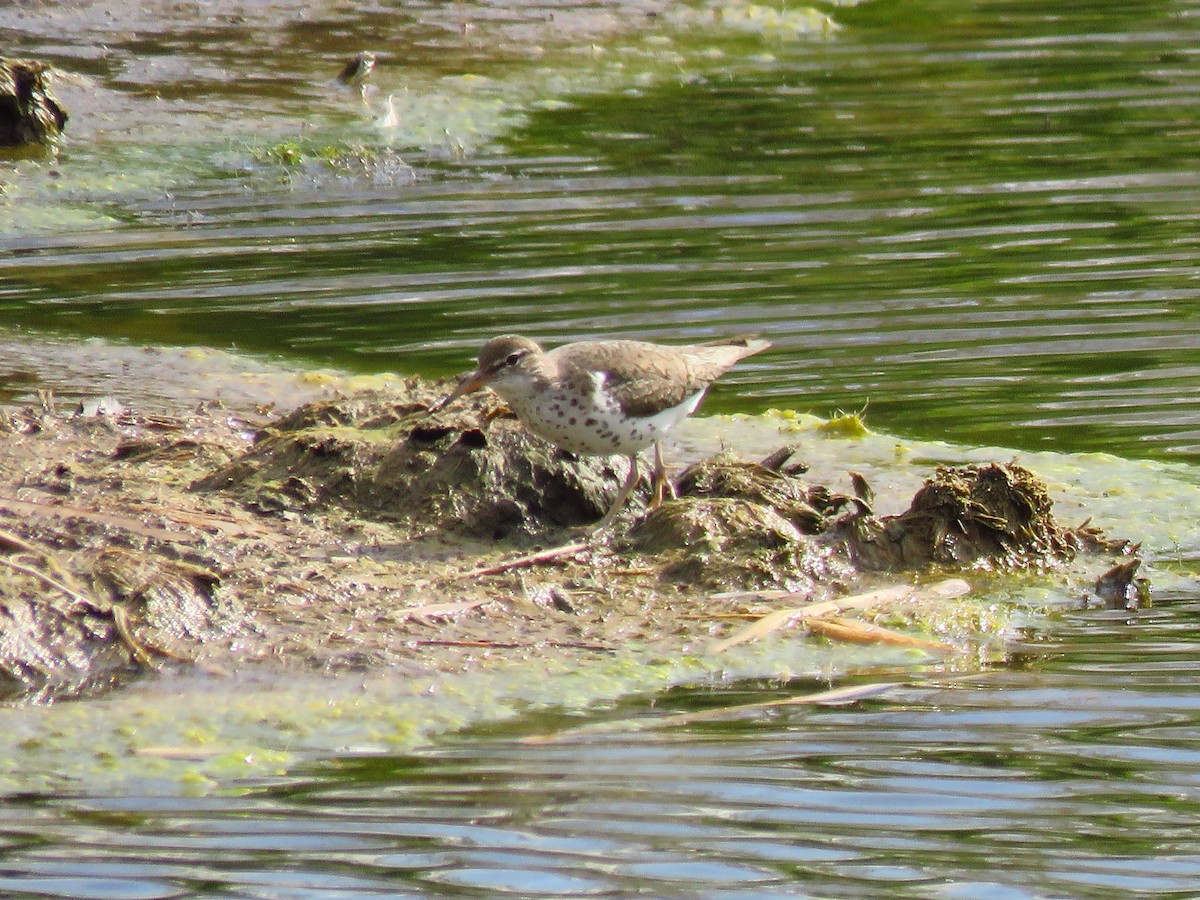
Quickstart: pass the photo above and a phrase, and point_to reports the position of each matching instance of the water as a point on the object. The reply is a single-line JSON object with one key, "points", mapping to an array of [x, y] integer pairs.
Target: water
{"points": [[1072, 773], [978, 220], [995, 216]]}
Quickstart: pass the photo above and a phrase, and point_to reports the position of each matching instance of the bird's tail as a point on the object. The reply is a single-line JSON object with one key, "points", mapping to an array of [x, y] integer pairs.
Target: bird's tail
{"points": [[748, 343], [716, 357]]}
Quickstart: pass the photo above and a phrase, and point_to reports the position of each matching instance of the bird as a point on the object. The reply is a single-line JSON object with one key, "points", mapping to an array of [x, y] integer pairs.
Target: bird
{"points": [[358, 71], [604, 398]]}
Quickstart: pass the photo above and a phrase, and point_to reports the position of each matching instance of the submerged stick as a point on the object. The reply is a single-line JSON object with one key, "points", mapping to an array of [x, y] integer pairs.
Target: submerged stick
{"points": [[839, 696], [834, 696]]}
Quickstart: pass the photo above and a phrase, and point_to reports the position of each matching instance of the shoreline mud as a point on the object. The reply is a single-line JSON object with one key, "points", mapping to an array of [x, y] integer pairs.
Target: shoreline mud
{"points": [[360, 534]]}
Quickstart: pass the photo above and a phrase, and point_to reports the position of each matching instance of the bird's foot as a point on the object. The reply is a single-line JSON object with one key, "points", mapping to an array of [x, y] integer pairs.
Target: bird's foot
{"points": [[662, 489], [604, 526], [661, 483]]}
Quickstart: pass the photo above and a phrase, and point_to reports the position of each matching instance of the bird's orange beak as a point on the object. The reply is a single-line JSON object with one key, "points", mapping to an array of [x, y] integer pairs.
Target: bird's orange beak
{"points": [[468, 385]]}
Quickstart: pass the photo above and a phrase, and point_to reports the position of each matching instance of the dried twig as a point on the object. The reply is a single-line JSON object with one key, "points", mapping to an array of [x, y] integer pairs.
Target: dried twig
{"points": [[72, 594], [517, 645], [782, 618], [440, 610], [128, 523], [16, 542], [136, 649], [532, 559], [856, 632]]}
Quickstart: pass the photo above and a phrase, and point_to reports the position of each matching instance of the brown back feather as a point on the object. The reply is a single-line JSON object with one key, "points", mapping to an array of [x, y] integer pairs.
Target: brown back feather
{"points": [[648, 378]]}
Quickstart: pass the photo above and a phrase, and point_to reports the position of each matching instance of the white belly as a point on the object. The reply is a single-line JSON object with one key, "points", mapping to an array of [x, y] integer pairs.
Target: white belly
{"points": [[597, 428]]}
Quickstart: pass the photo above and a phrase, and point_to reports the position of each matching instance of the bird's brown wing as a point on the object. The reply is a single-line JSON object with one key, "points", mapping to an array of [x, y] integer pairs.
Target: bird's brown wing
{"points": [[646, 379]]}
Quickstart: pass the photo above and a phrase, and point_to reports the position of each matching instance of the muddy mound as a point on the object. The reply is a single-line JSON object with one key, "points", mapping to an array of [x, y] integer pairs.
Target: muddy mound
{"points": [[470, 470], [741, 524], [744, 525], [473, 470], [363, 532], [726, 543], [997, 514], [775, 483]]}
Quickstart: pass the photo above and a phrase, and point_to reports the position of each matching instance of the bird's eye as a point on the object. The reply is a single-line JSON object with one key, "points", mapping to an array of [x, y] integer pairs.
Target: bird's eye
{"points": [[513, 359]]}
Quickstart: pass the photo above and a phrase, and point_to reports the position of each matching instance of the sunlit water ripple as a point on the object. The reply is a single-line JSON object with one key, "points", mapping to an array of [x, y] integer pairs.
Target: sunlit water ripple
{"points": [[1004, 251], [1071, 774]]}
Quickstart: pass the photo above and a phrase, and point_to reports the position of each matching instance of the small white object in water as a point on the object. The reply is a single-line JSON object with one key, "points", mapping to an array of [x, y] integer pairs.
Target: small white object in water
{"points": [[99, 408], [390, 118]]}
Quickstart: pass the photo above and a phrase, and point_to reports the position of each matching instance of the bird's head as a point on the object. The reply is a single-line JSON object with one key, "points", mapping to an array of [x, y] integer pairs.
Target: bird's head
{"points": [[504, 362]]}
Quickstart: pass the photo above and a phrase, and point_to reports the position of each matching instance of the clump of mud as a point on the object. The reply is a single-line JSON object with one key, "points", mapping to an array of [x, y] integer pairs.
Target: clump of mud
{"points": [[761, 524], [773, 483], [469, 470], [722, 542], [744, 525], [997, 514]]}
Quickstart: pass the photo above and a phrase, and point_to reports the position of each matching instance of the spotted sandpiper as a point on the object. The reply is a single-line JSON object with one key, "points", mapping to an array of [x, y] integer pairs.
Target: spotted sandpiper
{"points": [[602, 398], [358, 71]]}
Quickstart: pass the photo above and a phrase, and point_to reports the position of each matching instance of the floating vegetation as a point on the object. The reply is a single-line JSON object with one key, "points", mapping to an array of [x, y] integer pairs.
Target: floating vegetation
{"points": [[315, 163]]}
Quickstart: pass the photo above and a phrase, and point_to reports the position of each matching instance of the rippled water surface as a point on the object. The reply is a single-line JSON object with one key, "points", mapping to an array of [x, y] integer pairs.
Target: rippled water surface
{"points": [[979, 220], [1073, 774]]}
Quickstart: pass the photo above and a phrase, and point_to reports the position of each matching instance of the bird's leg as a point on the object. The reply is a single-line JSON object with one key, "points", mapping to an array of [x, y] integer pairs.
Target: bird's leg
{"points": [[661, 484], [626, 489]]}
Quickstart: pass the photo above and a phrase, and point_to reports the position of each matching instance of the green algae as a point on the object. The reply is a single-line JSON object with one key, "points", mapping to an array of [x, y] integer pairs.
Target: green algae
{"points": [[183, 734], [847, 425], [105, 172]]}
